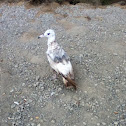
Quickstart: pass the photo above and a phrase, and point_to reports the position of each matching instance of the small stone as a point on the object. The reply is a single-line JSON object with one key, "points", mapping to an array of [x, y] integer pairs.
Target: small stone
{"points": [[13, 106], [98, 124], [16, 66], [12, 90], [82, 103], [37, 117], [37, 78], [71, 109], [52, 93], [36, 84], [31, 119], [63, 94], [123, 105], [16, 103], [9, 118], [39, 124], [56, 94], [84, 123], [64, 105], [23, 84], [53, 121], [3, 93], [59, 89], [32, 124], [42, 88], [85, 92], [96, 84], [103, 123], [115, 54], [41, 121], [115, 123]]}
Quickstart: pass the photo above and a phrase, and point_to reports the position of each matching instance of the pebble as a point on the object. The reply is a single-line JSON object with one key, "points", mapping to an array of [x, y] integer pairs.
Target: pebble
{"points": [[71, 109], [13, 106], [82, 103], [42, 88], [37, 78], [41, 121], [98, 124], [26, 79], [37, 117], [53, 121], [65, 105], [123, 105], [85, 92], [103, 123], [12, 90], [115, 123], [52, 93], [16, 66], [23, 84], [59, 89], [84, 123], [115, 54], [39, 124], [36, 84], [32, 124], [16, 103], [96, 85], [31, 119]]}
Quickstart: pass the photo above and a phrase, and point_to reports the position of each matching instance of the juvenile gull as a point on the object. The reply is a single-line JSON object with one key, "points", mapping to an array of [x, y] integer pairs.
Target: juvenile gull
{"points": [[58, 59]]}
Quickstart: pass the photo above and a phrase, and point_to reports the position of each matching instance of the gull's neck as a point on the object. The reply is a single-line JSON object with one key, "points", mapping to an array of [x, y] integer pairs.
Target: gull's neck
{"points": [[51, 40]]}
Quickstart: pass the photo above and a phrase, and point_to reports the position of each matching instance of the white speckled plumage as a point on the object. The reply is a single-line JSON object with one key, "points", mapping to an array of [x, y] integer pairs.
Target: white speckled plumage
{"points": [[58, 59]]}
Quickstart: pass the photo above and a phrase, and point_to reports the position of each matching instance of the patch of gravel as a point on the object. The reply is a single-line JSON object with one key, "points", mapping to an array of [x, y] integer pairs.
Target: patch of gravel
{"points": [[95, 39]]}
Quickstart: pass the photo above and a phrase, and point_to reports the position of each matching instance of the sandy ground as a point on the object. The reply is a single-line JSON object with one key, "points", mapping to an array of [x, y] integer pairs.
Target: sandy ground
{"points": [[94, 38]]}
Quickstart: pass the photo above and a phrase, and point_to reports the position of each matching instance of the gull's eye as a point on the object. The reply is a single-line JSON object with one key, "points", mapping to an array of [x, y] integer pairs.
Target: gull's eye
{"points": [[48, 33]]}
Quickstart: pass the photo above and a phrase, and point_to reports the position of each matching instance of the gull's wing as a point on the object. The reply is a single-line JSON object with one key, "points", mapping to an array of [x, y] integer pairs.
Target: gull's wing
{"points": [[58, 55]]}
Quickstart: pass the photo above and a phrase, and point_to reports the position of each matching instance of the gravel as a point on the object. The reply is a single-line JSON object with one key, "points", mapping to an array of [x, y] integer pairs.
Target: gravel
{"points": [[95, 40]]}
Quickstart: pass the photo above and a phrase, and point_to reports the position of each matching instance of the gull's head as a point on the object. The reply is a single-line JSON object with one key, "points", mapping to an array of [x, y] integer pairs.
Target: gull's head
{"points": [[49, 34]]}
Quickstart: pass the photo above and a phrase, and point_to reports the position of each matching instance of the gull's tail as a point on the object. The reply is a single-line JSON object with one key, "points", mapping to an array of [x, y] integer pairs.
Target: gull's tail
{"points": [[70, 81]]}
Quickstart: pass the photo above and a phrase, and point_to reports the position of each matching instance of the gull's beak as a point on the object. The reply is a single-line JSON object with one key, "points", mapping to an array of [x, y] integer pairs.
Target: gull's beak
{"points": [[41, 36]]}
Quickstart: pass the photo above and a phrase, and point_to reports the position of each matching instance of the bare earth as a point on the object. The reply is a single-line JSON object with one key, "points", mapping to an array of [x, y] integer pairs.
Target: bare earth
{"points": [[94, 38]]}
